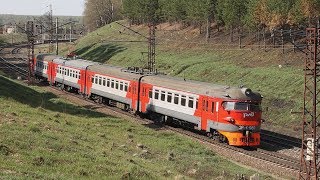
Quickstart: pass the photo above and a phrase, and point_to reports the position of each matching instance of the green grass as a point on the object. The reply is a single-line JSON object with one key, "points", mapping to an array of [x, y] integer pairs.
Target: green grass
{"points": [[45, 137], [15, 38], [282, 88]]}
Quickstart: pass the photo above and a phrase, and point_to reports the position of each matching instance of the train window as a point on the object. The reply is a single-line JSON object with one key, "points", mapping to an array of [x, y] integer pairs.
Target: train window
{"points": [[104, 82], [197, 103], [183, 100], [100, 80], [126, 87], [68, 72], [203, 104], [117, 84], [163, 96], [169, 97], [156, 94], [108, 82], [176, 98], [79, 76], [256, 107], [207, 106], [190, 104], [241, 106], [212, 107], [121, 86], [96, 79], [92, 79], [65, 71], [150, 93], [112, 83], [228, 105]]}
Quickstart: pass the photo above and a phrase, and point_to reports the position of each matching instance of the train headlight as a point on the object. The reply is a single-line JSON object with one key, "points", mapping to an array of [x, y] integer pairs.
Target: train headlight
{"points": [[229, 119]]}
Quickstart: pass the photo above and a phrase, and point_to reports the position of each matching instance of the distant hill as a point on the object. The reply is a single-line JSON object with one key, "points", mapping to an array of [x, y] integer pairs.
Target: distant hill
{"points": [[11, 18]]}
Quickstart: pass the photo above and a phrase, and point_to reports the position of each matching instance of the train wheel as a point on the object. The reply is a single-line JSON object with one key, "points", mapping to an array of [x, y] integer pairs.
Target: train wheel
{"points": [[222, 139]]}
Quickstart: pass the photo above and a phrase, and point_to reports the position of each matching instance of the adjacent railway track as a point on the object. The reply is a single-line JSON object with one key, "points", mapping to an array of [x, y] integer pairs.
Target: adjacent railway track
{"points": [[14, 68], [289, 165], [280, 139]]}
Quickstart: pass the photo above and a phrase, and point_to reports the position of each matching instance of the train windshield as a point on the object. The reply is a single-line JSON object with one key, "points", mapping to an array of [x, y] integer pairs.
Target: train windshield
{"points": [[241, 106]]}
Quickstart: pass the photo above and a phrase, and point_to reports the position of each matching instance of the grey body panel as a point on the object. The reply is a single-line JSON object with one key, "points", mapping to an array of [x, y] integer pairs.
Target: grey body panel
{"points": [[68, 83], [111, 96], [229, 127], [173, 113]]}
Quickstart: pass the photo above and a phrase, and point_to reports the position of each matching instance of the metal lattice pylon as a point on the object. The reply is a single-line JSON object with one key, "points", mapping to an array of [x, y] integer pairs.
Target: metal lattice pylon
{"points": [[152, 48], [309, 168], [31, 39]]}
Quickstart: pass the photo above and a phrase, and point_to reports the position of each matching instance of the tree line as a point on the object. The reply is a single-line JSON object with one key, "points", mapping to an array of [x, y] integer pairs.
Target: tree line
{"points": [[250, 14]]}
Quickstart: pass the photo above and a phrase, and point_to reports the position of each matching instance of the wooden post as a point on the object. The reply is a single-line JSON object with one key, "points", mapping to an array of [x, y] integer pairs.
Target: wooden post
{"points": [[273, 40], [208, 29], [231, 33], [259, 39], [264, 39], [282, 41], [292, 40], [240, 38]]}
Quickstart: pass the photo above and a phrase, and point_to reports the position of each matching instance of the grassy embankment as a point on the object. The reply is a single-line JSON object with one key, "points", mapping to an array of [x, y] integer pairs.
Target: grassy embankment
{"points": [[45, 137], [12, 38], [177, 55]]}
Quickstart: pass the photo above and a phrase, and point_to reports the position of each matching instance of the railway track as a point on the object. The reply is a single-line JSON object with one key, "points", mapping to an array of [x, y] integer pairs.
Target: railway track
{"points": [[268, 138], [15, 50]]}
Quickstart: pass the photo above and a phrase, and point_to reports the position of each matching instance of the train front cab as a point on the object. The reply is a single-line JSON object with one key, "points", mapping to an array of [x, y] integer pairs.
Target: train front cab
{"points": [[246, 116]]}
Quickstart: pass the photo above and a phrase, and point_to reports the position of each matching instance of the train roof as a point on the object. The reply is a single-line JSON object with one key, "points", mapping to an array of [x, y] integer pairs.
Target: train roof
{"points": [[114, 71], [47, 57], [59, 60], [179, 84], [204, 88], [79, 63]]}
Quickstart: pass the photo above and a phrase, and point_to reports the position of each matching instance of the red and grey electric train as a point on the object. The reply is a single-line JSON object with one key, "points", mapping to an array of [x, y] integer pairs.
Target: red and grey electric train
{"points": [[232, 114]]}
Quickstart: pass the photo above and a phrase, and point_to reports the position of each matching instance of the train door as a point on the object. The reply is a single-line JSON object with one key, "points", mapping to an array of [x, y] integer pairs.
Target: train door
{"points": [[133, 94], [212, 110], [82, 81], [144, 97], [204, 113]]}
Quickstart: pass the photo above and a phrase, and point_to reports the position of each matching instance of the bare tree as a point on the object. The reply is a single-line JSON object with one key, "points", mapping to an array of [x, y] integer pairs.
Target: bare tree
{"points": [[98, 13]]}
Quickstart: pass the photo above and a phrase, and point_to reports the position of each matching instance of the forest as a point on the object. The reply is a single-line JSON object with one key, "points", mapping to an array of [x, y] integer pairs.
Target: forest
{"points": [[248, 14]]}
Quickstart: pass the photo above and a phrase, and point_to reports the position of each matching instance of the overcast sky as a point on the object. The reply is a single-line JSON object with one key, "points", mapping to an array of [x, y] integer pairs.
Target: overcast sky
{"points": [[39, 7]]}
